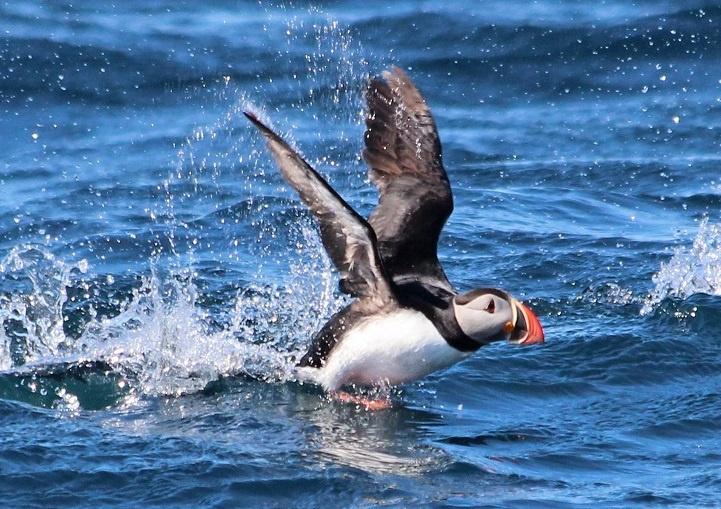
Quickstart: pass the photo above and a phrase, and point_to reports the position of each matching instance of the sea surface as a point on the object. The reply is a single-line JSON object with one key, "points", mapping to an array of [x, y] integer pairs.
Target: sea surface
{"points": [[158, 278]]}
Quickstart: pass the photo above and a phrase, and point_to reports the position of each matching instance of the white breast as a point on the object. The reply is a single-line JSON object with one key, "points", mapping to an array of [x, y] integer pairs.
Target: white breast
{"points": [[396, 348]]}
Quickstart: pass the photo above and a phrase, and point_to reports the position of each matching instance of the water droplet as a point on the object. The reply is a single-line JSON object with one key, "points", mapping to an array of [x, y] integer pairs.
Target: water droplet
{"points": [[83, 265]]}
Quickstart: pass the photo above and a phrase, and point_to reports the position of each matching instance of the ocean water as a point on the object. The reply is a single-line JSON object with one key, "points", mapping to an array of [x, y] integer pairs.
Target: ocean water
{"points": [[158, 279]]}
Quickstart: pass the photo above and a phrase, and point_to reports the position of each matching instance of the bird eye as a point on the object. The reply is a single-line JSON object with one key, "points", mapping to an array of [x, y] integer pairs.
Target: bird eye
{"points": [[491, 307]]}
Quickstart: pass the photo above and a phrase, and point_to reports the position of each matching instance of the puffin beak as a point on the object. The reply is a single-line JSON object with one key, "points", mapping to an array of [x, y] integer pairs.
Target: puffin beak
{"points": [[528, 330]]}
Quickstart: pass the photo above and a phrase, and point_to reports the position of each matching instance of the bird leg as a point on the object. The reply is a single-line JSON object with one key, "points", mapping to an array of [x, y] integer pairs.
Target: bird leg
{"points": [[368, 404]]}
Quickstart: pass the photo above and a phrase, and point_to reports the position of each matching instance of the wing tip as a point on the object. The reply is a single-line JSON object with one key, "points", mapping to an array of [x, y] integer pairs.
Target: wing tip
{"points": [[395, 83], [396, 74], [266, 131], [254, 119], [393, 77]]}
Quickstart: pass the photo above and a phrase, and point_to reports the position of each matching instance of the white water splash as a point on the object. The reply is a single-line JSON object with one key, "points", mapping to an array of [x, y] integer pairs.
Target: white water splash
{"points": [[325, 83], [40, 311], [609, 293], [691, 270], [162, 340]]}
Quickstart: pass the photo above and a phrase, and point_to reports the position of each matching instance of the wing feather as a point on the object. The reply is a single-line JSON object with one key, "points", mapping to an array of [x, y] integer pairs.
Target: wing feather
{"points": [[403, 152], [348, 238]]}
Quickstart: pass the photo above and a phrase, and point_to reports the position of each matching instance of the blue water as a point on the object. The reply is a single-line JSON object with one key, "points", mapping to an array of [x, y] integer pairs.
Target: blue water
{"points": [[157, 278]]}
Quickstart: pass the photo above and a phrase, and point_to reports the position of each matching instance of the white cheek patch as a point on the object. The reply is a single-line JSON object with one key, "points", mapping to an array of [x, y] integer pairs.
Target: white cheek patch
{"points": [[481, 325], [480, 304]]}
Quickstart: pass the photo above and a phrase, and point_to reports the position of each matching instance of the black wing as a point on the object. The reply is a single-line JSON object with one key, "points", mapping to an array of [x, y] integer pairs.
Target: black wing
{"points": [[348, 239], [404, 155]]}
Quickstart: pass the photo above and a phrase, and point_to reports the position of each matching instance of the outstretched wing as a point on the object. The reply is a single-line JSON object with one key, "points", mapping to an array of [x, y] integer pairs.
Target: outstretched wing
{"points": [[404, 155], [348, 239]]}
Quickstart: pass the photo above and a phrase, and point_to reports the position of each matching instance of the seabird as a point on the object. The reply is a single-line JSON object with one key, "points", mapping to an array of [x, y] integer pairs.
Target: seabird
{"points": [[405, 320]]}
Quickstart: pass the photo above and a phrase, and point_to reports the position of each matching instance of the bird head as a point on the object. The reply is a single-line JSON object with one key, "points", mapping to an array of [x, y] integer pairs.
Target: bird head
{"points": [[487, 314]]}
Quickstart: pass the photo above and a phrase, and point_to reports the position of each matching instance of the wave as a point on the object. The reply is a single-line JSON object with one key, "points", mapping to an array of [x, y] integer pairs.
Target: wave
{"points": [[694, 269], [71, 324], [154, 339], [124, 68]]}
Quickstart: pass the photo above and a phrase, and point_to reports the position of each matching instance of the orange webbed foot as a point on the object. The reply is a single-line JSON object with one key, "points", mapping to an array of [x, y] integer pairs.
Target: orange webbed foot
{"points": [[368, 404]]}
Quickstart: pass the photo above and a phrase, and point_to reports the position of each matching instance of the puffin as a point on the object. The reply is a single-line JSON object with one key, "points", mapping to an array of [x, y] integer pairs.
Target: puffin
{"points": [[405, 319]]}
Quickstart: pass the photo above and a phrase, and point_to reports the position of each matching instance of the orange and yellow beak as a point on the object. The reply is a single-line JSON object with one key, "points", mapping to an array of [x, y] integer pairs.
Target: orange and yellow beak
{"points": [[527, 329]]}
